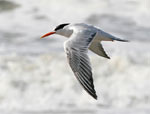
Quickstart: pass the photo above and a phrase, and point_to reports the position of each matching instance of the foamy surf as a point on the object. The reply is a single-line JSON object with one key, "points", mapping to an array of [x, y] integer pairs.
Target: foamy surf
{"points": [[48, 80]]}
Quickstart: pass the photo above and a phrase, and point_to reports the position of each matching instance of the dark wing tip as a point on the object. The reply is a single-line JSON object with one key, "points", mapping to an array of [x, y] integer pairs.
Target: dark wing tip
{"points": [[107, 57], [90, 90], [94, 96]]}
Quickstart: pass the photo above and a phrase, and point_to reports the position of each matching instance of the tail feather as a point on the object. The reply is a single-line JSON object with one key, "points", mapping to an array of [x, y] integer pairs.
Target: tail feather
{"points": [[109, 37], [119, 39]]}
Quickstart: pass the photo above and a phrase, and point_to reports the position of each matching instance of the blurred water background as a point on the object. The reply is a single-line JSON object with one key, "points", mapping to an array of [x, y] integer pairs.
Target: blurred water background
{"points": [[35, 76]]}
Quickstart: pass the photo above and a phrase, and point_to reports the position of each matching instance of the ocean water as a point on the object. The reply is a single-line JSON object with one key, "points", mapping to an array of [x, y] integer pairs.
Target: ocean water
{"points": [[35, 76]]}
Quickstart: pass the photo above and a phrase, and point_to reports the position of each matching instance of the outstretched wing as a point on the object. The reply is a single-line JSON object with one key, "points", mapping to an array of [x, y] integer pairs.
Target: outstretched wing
{"points": [[76, 49], [97, 48]]}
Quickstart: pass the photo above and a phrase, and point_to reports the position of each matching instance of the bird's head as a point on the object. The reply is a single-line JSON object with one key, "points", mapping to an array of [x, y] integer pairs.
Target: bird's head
{"points": [[61, 30]]}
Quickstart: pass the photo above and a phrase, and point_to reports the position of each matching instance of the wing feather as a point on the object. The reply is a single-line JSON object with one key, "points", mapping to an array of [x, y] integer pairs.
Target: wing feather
{"points": [[79, 61], [97, 48]]}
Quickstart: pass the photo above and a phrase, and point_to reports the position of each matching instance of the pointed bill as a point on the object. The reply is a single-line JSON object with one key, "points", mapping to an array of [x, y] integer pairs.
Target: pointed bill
{"points": [[48, 34]]}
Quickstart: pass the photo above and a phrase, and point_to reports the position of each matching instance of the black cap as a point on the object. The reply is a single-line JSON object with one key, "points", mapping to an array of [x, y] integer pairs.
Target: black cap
{"points": [[61, 26]]}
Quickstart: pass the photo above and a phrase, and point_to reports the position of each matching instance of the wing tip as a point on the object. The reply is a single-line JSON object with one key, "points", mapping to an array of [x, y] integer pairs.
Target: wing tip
{"points": [[95, 97], [108, 57]]}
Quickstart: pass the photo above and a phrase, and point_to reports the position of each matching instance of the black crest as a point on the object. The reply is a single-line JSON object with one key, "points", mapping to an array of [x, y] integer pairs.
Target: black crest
{"points": [[61, 26]]}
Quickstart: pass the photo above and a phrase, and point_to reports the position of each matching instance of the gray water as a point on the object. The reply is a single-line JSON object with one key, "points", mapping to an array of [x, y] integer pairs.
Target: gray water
{"points": [[35, 76]]}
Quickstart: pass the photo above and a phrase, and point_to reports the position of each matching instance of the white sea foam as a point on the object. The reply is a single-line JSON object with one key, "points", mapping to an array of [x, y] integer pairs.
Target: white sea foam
{"points": [[46, 82], [23, 26]]}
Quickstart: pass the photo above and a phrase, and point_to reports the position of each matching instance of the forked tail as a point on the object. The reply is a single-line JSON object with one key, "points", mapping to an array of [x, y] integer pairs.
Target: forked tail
{"points": [[119, 39]]}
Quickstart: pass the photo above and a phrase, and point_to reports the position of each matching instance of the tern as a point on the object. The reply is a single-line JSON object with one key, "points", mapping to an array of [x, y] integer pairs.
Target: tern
{"points": [[81, 38]]}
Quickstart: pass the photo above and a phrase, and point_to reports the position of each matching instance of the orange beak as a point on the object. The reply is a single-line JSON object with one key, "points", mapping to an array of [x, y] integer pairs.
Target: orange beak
{"points": [[47, 34]]}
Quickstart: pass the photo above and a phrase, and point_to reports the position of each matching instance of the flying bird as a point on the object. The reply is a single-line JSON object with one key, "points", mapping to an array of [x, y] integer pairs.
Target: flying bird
{"points": [[81, 38]]}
